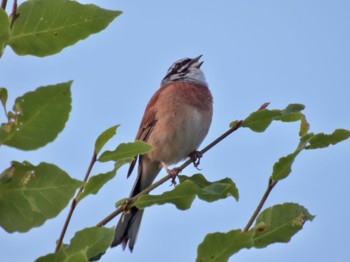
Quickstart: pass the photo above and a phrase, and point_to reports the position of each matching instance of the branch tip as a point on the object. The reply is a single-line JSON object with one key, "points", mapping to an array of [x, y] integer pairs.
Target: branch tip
{"points": [[264, 105]]}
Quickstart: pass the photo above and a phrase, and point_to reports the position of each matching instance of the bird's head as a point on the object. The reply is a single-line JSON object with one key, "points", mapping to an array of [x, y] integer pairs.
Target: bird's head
{"points": [[187, 70]]}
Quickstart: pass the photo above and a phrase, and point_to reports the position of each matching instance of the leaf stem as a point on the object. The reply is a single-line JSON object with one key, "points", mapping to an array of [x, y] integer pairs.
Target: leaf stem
{"points": [[130, 201], [75, 202], [270, 186]]}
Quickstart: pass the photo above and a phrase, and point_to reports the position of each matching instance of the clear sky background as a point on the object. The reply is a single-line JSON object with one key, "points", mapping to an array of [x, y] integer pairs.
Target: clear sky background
{"points": [[254, 51]]}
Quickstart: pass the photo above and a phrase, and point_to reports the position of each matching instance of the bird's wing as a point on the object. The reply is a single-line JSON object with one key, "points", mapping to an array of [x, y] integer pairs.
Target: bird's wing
{"points": [[148, 122]]}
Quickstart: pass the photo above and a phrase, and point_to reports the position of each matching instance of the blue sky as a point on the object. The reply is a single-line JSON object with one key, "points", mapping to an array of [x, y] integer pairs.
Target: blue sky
{"points": [[254, 51]]}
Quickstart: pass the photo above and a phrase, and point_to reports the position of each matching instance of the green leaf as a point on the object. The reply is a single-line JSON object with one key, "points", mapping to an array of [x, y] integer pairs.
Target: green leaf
{"points": [[39, 116], [95, 183], [126, 151], [321, 140], [77, 257], [34, 194], [304, 126], [283, 167], [260, 120], [60, 256], [92, 241], [279, 223], [3, 95], [4, 29], [304, 140], [212, 191], [183, 194], [104, 138], [292, 117], [293, 108], [45, 27], [86, 244], [7, 175], [218, 247]]}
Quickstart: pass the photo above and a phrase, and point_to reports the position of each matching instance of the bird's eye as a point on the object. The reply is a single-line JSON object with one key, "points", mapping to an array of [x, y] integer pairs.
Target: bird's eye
{"points": [[179, 67]]}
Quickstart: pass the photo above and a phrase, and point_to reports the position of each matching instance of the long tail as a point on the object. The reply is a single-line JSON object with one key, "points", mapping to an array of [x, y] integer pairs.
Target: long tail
{"points": [[129, 223], [127, 228]]}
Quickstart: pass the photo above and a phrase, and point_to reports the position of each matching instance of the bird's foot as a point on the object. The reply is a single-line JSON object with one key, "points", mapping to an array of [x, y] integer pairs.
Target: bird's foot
{"points": [[196, 158], [172, 172]]}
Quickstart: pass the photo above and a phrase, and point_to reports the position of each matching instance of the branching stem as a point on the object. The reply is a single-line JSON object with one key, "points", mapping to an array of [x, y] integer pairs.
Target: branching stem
{"points": [[270, 186], [75, 202], [14, 13]]}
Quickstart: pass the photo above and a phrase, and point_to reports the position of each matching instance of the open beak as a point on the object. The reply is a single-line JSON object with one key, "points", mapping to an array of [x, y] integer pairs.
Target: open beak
{"points": [[195, 61]]}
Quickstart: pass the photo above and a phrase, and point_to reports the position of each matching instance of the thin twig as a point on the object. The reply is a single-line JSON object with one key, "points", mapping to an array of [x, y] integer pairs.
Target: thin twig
{"points": [[266, 194], [14, 13], [74, 202], [263, 106], [270, 186], [237, 125], [130, 201], [3, 4]]}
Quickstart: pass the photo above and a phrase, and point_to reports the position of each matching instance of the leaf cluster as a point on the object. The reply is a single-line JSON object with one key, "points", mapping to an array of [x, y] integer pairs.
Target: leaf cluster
{"points": [[275, 224]]}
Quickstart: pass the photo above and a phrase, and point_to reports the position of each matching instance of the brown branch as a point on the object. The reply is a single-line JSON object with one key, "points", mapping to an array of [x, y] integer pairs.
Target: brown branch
{"points": [[14, 14], [263, 106], [270, 186], [134, 198], [130, 201], [266, 194], [3, 4], [75, 202]]}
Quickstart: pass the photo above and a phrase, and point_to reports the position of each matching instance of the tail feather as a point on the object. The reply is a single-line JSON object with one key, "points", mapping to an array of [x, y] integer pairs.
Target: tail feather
{"points": [[129, 223], [127, 229]]}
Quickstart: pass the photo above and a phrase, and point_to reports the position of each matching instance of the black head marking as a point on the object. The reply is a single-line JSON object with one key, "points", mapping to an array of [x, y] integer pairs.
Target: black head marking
{"points": [[178, 67], [181, 67]]}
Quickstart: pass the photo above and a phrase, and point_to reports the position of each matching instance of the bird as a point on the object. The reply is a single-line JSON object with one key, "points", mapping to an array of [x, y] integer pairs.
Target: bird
{"points": [[175, 122]]}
